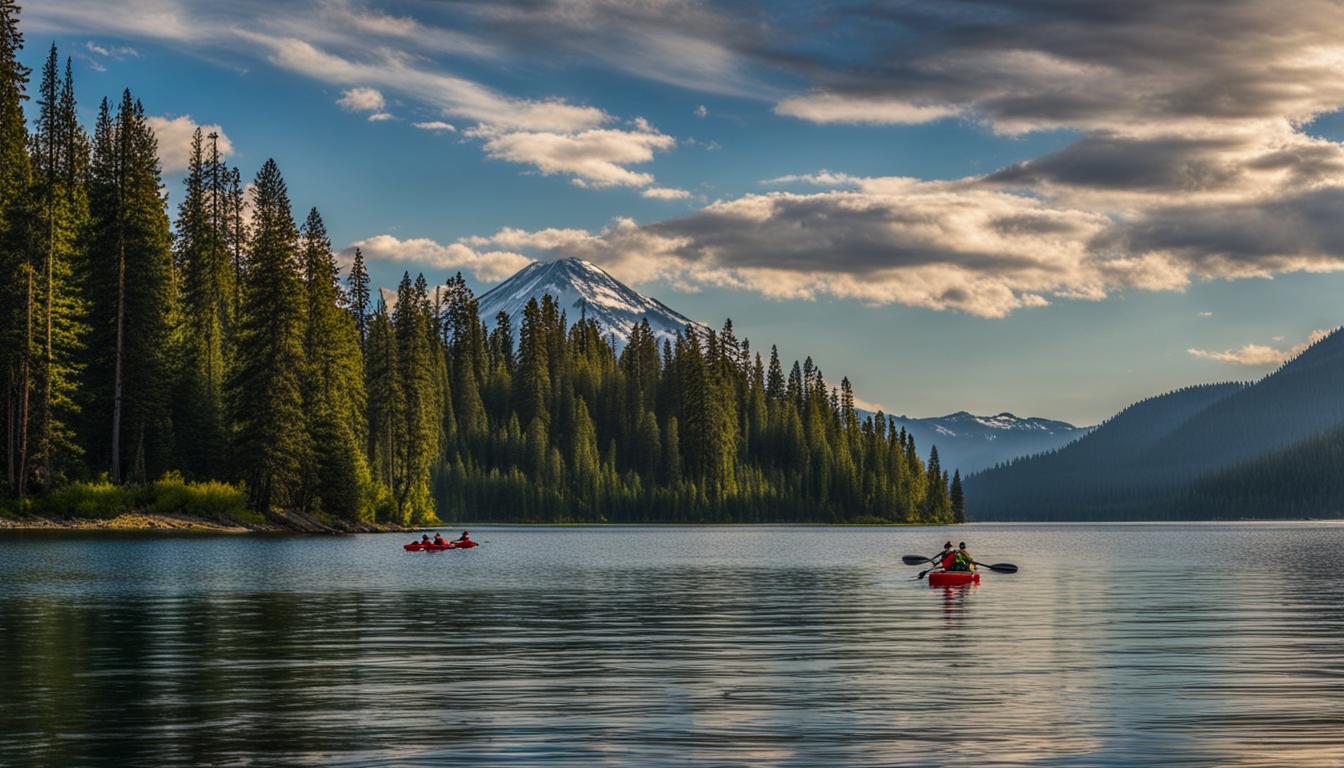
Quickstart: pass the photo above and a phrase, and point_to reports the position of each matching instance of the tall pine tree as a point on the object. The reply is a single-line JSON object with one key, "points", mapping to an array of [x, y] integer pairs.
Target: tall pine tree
{"points": [[265, 387], [16, 268], [131, 298], [337, 474]]}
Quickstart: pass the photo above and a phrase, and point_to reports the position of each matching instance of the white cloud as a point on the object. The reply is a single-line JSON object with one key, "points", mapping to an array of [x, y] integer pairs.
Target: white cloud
{"points": [[868, 405], [380, 117], [362, 100], [822, 178], [373, 54], [522, 239], [665, 193], [1259, 355], [410, 76], [116, 52], [551, 135], [822, 107], [434, 125], [174, 135], [489, 266], [595, 158], [1206, 314], [702, 111]]}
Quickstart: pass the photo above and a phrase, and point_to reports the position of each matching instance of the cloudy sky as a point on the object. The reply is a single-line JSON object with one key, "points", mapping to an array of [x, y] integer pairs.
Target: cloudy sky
{"points": [[1047, 207]]}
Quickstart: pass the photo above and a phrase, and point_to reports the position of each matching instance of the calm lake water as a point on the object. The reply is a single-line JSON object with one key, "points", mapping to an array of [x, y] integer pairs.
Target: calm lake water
{"points": [[1114, 645]]}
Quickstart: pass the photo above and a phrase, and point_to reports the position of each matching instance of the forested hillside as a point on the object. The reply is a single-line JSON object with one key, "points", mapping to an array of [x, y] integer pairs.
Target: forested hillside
{"points": [[1303, 481], [227, 347], [1224, 450]]}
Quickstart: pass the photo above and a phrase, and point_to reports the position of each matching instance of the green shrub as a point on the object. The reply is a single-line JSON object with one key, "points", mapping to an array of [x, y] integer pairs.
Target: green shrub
{"points": [[213, 499], [170, 495], [88, 500]]}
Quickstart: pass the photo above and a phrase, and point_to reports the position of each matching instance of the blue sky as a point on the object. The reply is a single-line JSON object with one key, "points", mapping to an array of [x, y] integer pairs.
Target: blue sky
{"points": [[1038, 207]]}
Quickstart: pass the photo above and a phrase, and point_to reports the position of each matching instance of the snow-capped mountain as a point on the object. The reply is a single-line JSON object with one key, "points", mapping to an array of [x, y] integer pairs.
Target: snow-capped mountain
{"points": [[582, 289], [971, 443]]}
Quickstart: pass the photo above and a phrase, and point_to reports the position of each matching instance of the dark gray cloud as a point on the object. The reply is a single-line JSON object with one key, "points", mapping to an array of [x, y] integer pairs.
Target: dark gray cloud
{"points": [[1303, 230], [1171, 163], [849, 233], [1021, 65]]}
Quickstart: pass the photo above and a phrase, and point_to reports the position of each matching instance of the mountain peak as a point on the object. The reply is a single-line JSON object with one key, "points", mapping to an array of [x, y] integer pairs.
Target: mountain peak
{"points": [[582, 289]]}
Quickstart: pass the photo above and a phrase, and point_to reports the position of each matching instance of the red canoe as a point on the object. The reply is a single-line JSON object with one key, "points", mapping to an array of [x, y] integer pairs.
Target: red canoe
{"points": [[417, 547], [953, 578]]}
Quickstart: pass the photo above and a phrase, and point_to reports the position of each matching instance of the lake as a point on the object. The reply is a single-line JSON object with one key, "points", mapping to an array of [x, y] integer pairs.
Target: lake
{"points": [[1217, 644]]}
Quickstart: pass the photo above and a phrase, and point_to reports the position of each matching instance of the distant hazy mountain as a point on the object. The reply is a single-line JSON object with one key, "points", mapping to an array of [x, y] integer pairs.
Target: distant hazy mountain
{"points": [[583, 289], [972, 443], [1151, 459]]}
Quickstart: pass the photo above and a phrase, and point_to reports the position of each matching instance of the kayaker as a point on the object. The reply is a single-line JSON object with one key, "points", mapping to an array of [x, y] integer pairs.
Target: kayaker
{"points": [[942, 558], [462, 538], [962, 560], [438, 539], [424, 540]]}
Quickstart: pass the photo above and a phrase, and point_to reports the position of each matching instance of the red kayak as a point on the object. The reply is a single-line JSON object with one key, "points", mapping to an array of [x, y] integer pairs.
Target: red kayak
{"points": [[418, 547], [953, 578]]}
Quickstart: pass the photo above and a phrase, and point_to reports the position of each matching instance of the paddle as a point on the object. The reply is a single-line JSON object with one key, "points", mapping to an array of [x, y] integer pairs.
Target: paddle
{"points": [[915, 559], [996, 567]]}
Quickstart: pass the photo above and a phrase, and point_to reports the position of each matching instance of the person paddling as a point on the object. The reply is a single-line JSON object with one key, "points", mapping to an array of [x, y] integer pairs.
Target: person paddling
{"points": [[424, 540], [462, 538], [438, 539], [943, 559], [961, 559]]}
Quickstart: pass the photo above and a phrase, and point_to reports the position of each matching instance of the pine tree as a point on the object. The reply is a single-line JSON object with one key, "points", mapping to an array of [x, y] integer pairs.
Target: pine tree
{"points": [[420, 433], [359, 296], [774, 379], [132, 295], [235, 201], [385, 401], [958, 499], [336, 472], [207, 312], [265, 392], [15, 266], [59, 217]]}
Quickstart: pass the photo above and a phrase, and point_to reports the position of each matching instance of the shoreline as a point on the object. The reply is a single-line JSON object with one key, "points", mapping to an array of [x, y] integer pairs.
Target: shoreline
{"points": [[283, 523], [145, 521]]}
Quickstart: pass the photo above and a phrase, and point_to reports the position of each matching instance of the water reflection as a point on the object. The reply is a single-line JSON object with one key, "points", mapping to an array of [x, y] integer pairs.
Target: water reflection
{"points": [[638, 646]]}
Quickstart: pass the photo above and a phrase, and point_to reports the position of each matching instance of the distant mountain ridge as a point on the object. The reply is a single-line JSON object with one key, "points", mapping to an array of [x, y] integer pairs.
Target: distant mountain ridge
{"points": [[971, 443], [583, 290], [1146, 460]]}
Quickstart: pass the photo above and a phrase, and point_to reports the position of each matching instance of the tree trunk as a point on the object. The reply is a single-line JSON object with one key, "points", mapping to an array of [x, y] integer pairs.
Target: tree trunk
{"points": [[116, 376], [10, 442], [43, 468], [22, 480]]}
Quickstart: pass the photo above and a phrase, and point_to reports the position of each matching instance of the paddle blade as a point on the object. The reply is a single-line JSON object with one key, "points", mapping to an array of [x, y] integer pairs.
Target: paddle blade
{"points": [[1000, 567], [915, 560]]}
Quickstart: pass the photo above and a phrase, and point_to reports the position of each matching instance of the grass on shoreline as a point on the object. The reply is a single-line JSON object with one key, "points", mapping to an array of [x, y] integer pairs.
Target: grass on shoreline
{"points": [[170, 496]]}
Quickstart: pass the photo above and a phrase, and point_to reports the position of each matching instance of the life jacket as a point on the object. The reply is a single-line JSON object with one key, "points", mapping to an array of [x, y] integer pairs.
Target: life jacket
{"points": [[949, 560], [963, 559]]}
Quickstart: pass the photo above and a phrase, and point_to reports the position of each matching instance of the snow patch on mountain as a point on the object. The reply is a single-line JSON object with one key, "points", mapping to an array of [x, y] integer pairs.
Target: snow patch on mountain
{"points": [[583, 290]]}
